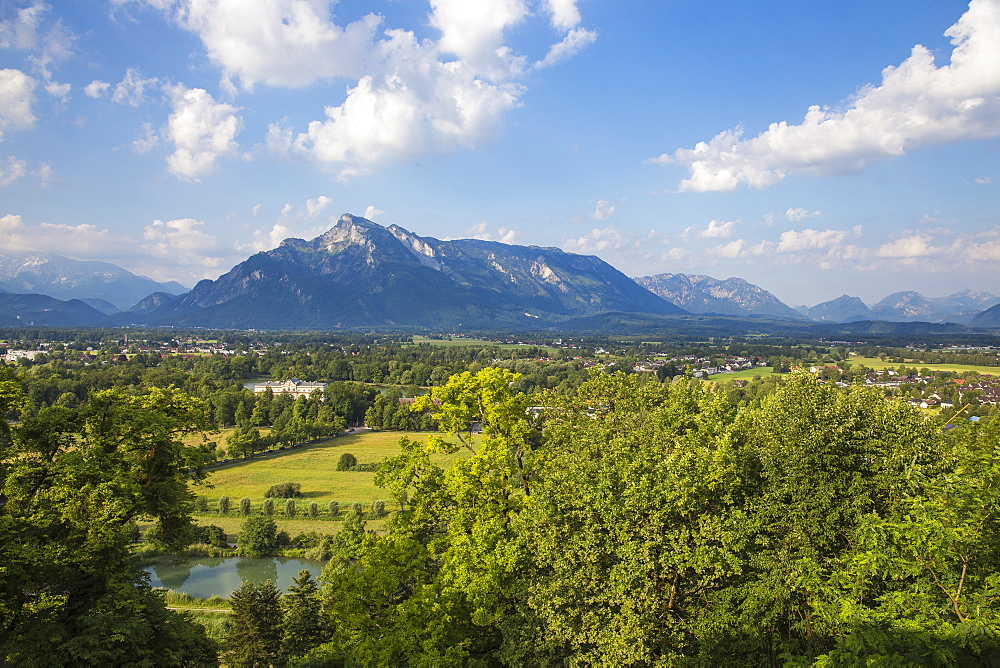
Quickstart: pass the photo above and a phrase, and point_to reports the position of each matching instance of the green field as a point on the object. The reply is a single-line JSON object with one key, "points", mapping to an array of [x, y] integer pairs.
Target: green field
{"points": [[878, 364], [478, 342], [315, 468], [745, 374]]}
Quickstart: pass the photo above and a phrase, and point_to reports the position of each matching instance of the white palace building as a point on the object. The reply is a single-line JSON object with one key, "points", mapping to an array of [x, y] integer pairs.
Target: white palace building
{"points": [[292, 386]]}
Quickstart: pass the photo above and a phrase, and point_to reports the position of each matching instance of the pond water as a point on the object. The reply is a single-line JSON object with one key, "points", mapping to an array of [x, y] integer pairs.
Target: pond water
{"points": [[220, 576]]}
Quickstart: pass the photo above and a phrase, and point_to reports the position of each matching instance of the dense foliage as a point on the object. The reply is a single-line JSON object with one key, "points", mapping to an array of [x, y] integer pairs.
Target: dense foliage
{"points": [[641, 523], [73, 482]]}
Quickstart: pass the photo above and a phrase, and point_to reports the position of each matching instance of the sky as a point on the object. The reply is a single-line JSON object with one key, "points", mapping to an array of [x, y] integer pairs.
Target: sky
{"points": [[814, 149]]}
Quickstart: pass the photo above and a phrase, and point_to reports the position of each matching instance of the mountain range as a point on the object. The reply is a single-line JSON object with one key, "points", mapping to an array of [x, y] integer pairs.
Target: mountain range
{"points": [[362, 275], [105, 286]]}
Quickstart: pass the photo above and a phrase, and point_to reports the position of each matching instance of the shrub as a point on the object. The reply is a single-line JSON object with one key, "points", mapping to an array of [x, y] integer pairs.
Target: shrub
{"points": [[347, 462], [245, 507], [290, 508], [284, 490], [378, 509], [358, 509], [268, 507], [210, 535], [313, 509], [223, 505], [334, 509], [201, 504]]}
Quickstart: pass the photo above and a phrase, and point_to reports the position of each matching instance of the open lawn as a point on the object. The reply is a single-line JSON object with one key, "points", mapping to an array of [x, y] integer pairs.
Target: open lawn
{"points": [[477, 342], [877, 364], [744, 374], [315, 468]]}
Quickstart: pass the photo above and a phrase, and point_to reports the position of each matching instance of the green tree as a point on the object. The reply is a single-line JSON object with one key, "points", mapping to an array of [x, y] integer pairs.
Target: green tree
{"points": [[290, 508], [74, 480], [223, 505], [313, 509], [258, 534], [255, 629], [346, 462], [267, 507], [245, 507], [303, 628]]}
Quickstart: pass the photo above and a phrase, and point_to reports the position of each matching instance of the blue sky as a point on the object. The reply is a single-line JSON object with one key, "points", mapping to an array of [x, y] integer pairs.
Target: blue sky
{"points": [[814, 149]]}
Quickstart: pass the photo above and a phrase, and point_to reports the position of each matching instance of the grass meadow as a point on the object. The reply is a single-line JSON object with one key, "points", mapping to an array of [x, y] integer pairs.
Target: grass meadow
{"points": [[315, 469], [878, 364]]}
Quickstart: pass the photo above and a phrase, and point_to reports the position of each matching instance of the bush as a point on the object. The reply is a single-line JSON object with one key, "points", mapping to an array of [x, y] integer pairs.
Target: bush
{"points": [[378, 509], [334, 509], [313, 509], [284, 490], [223, 505], [358, 509], [245, 507], [210, 535], [201, 504], [290, 508], [347, 462], [268, 507]]}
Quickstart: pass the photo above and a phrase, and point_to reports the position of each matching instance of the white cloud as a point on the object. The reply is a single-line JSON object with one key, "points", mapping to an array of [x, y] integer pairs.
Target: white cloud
{"points": [[79, 241], [21, 30], [131, 90], [44, 174], [565, 15], [917, 104], [255, 209], [917, 245], [603, 210], [984, 180], [797, 214], [405, 96], [11, 170], [371, 213], [180, 237], [717, 230], [96, 89], [575, 41], [148, 140], [599, 239], [314, 207], [58, 90], [16, 98], [731, 250], [504, 235], [201, 130], [809, 239]]}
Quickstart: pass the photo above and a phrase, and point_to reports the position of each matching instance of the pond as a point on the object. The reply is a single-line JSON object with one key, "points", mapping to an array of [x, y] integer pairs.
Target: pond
{"points": [[220, 576]]}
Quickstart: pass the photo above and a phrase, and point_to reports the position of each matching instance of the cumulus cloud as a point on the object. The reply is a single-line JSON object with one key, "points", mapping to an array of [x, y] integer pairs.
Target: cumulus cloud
{"points": [[603, 210], [504, 235], [182, 243], [917, 245], [147, 141], [599, 239], [917, 104], [16, 98], [11, 170], [733, 249], [797, 214], [717, 230], [809, 239], [79, 241], [96, 89], [371, 213], [984, 180], [314, 207], [201, 130], [405, 96]]}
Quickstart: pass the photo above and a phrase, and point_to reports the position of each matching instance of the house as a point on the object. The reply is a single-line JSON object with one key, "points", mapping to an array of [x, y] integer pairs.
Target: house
{"points": [[292, 386]]}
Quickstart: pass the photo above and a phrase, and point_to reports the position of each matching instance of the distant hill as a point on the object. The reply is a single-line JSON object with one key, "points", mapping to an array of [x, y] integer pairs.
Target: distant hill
{"points": [[842, 309], [361, 274], [704, 294], [960, 307], [64, 278], [43, 310], [988, 318]]}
